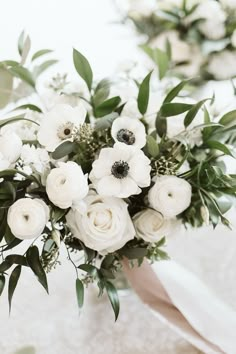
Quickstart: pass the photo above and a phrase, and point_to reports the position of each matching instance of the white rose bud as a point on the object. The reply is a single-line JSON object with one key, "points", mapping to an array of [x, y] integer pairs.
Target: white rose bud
{"points": [[170, 195], [27, 218], [10, 146], [105, 227], [151, 226], [67, 185]]}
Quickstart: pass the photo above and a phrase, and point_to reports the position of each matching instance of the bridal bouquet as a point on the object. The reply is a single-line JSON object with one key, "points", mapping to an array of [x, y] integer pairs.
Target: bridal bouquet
{"points": [[105, 182], [199, 36]]}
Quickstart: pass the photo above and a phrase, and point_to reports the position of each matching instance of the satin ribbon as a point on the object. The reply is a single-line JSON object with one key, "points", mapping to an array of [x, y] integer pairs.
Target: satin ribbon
{"points": [[180, 300]]}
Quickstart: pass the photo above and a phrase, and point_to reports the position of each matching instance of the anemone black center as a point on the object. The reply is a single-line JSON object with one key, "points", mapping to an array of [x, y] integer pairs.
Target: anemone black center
{"points": [[126, 136], [67, 131], [120, 169]]}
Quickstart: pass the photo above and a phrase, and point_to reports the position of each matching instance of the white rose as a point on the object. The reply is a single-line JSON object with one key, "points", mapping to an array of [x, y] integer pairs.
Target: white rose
{"points": [[222, 65], [105, 227], [27, 218], [10, 146], [151, 226], [66, 185], [170, 195]]}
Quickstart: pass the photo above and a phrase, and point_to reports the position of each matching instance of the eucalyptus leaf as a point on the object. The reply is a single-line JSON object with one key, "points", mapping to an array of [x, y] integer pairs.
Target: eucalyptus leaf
{"points": [[41, 52], [79, 292], [106, 121], [32, 256], [83, 68], [63, 150], [143, 95], [152, 146], [193, 112]]}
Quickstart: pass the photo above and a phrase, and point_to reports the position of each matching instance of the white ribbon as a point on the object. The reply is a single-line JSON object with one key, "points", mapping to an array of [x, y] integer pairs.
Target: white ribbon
{"points": [[185, 304]]}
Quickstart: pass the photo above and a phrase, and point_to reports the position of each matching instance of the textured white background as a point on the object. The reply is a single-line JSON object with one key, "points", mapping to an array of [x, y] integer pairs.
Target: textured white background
{"points": [[52, 324]]}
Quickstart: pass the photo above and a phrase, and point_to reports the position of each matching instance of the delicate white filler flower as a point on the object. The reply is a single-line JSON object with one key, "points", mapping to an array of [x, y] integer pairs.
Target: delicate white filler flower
{"points": [[27, 218], [120, 171], [170, 195], [105, 227], [59, 124], [129, 131], [66, 185], [151, 226]]}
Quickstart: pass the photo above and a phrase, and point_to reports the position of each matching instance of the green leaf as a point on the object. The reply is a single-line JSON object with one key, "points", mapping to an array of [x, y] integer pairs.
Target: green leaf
{"points": [[101, 92], [107, 107], [228, 118], [16, 259], [32, 256], [160, 58], [26, 49], [175, 91], [216, 145], [38, 70], [113, 297], [83, 68], [133, 253], [143, 95], [2, 283], [106, 121], [6, 86], [89, 268], [21, 42], [30, 106], [63, 149], [23, 73], [161, 125], [79, 292], [6, 121], [152, 146], [40, 53], [13, 280], [193, 112], [174, 109]]}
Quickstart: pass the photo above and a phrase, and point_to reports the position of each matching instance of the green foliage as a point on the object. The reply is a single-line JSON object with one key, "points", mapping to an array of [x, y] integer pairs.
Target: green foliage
{"points": [[143, 95], [32, 256], [79, 292], [13, 281], [83, 68], [107, 107], [160, 58]]}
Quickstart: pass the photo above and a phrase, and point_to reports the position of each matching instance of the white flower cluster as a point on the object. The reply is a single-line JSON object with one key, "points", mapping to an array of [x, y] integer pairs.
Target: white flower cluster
{"points": [[98, 204]]}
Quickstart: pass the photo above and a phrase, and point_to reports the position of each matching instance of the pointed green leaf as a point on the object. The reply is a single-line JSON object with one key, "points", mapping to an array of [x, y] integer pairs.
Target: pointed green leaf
{"points": [[143, 95], [152, 146], [79, 286], [83, 68], [161, 125], [32, 256], [107, 107], [21, 42], [228, 118], [113, 297], [193, 112], [216, 145], [174, 109], [6, 86], [63, 149], [175, 91], [40, 53], [26, 49], [2, 283], [30, 106], [23, 73], [13, 280], [38, 70]]}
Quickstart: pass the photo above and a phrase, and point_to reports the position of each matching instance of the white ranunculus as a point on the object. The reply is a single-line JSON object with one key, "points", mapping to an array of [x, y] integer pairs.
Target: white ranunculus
{"points": [[10, 146], [66, 185], [59, 124], [222, 65], [151, 226], [120, 171], [170, 195], [129, 131], [213, 24], [27, 218], [105, 227], [36, 158], [4, 164]]}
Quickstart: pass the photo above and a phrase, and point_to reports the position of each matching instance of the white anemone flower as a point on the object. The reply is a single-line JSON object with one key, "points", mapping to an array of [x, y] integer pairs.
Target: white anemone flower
{"points": [[120, 171], [59, 124], [129, 131]]}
